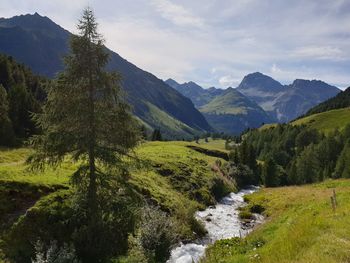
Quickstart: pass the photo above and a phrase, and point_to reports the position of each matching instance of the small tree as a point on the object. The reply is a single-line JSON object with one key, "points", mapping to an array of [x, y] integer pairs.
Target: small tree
{"points": [[156, 135], [270, 173]]}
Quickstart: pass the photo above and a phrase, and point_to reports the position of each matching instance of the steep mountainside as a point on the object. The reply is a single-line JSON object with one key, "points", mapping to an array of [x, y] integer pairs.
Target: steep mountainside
{"points": [[196, 93], [40, 43], [285, 103], [342, 100], [260, 88], [232, 112], [300, 97]]}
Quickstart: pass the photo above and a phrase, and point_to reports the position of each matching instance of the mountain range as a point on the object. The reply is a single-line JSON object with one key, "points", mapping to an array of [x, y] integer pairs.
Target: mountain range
{"points": [[41, 44], [285, 102], [229, 111], [257, 99], [179, 110]]}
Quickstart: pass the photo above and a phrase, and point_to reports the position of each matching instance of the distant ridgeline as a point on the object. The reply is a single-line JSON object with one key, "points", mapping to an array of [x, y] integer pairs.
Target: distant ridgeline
{"points": [[342, 100], [179, 111], [259, 99], [21, 94], [41, 44]]}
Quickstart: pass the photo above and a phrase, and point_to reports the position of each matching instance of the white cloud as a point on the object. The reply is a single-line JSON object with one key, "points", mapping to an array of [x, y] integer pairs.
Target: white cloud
{"points": [[275, 69], [229, 81], [177, 14], [319, 52], [215, 42]]}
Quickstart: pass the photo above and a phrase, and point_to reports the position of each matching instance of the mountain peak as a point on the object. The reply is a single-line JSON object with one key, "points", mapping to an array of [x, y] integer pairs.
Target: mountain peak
{"points": [[312, 84], [34, 22], [172, 82], [258, 82]]}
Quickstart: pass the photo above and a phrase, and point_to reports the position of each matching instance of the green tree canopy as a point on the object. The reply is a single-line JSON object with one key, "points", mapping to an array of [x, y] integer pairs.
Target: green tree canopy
{"points": [[85, 116], [6, 132]]}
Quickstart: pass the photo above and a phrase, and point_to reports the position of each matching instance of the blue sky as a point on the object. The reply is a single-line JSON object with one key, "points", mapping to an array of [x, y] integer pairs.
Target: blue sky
{"points": [[217, 42]]}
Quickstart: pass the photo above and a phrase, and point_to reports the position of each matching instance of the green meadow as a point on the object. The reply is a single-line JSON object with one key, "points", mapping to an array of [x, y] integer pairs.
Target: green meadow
{"points": [[300, 226]]}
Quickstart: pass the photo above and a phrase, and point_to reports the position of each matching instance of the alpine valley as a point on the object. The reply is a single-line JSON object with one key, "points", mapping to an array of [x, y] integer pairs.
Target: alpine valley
{"points": [[179, 110]]}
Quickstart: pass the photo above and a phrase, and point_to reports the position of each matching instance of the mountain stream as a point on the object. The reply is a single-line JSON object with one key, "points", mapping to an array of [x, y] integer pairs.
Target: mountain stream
{"points": [[222, 222]]}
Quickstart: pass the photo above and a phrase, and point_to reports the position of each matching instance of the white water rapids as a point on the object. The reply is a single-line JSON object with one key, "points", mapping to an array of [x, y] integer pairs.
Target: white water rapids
{"points": [[221, 222]]}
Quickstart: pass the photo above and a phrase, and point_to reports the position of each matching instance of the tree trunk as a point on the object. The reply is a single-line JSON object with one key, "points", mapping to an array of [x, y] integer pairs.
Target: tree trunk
{"points": [[92, 191]]}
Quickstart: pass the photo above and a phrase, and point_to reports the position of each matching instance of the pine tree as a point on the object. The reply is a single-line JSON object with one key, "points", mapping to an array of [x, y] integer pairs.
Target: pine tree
{"points": [[308, 166], [6, 131], [342, 168], [156, 135], [85, 117], [270, 173]]}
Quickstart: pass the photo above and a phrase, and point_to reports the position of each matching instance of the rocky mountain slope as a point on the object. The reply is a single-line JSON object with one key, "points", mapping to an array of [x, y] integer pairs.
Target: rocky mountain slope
{"points": [[285, 103]]}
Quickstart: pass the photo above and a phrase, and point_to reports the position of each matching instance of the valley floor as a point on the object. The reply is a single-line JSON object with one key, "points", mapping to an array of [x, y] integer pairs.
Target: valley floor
{"points": [[172, 175], [301, 226]]}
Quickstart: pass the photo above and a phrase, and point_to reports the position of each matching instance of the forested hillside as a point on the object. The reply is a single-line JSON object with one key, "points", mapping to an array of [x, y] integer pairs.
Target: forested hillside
{"points": [[21, 94], [296, 154]]}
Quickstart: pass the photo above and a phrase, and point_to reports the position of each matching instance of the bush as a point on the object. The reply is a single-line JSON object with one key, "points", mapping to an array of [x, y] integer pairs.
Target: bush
{"points": [[157, 233], [59, 217], [244, 214], [241, 173], [256, 208], [54, 253], [220, 188]]}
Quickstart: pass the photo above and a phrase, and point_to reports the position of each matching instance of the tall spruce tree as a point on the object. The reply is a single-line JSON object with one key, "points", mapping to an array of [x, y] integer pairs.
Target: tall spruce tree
{"points": [[85, 117]]}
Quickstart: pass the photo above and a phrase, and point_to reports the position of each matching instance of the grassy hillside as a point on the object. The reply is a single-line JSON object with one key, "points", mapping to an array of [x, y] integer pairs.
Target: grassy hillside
{"points": [[173, 176], [230, 102], [212, 144], [324, 122], [327, 121], [170, 127], [300, 227], [232, 112]]}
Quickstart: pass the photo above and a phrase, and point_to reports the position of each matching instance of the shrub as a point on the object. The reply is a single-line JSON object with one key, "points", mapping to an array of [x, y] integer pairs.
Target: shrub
{"points": [[256, 208], [244, 214], [157, 233], [54, 253]]}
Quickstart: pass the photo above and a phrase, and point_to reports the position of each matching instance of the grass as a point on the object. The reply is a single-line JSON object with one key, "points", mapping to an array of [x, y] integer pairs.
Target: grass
{"points": [[230, 102], [169, 126], [212, 144], [174, 177], [327, 121], [13, 168], [324, 122], [267, 126], [300, 227]]}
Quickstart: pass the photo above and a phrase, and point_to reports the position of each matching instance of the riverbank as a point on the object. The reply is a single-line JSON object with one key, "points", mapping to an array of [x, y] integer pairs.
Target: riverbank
{"points": [[301, 226], [170, 175], [221, 221]]}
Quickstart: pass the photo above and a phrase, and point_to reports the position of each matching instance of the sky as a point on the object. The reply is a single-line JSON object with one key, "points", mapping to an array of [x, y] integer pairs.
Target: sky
{"points": [[216, 42]]}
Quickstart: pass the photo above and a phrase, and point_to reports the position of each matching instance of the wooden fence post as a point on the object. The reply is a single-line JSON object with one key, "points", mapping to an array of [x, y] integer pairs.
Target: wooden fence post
{"points": [[335, 198]]}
